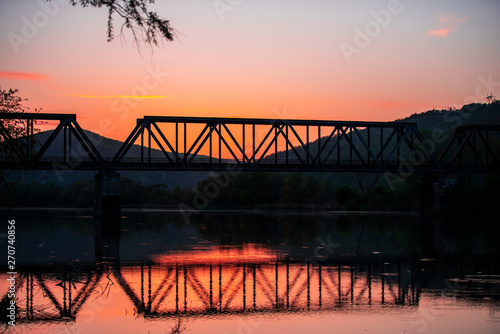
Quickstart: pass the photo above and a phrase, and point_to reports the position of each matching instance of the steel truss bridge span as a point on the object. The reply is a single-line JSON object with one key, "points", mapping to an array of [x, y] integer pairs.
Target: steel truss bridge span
{"points": [[202, 143]]}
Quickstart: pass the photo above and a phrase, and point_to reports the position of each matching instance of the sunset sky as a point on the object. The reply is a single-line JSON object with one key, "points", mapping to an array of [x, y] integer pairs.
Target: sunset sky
{"points": [[317, 59]]}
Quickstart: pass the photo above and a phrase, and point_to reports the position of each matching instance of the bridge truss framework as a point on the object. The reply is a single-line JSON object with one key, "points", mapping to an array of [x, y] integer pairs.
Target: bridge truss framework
{"points": [[197, 143]]}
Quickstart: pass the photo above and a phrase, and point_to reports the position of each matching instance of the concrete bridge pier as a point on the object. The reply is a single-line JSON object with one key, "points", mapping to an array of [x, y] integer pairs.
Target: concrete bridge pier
{"points": [[442, 190], [107, 195], [435, 192]]}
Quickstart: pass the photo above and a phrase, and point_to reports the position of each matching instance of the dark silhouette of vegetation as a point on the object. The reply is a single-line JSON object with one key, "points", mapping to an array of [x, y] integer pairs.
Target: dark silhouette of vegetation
{"points": [[11, 103], [145, 25], [81, 194], [252, 190], [12, 131]]}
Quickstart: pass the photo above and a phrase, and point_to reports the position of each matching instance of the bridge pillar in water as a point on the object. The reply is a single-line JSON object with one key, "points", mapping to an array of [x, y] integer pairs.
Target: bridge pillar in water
{"points": [[442, 190], [435, 191], [107, 195]]}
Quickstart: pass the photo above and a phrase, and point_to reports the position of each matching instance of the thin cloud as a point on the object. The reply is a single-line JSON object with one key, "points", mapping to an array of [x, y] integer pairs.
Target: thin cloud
{"points": [[23, 76], [121, 96], [447, 24]]}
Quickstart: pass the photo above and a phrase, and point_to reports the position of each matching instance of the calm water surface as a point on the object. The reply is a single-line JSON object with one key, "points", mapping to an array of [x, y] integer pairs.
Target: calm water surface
{"points": [[252, 272]]}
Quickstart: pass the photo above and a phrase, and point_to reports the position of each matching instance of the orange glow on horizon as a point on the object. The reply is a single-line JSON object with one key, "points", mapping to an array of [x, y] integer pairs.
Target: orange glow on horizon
{"points": [[219, 255]]}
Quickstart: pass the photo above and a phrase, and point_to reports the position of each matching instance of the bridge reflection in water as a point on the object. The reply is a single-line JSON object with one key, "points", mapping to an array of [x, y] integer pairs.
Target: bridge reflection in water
{"points": [[240, 279], [239, 286]]}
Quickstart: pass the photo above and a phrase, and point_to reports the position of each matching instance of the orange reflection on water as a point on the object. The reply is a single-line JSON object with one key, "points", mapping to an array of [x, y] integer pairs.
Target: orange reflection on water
{"points": [[248, 253]]}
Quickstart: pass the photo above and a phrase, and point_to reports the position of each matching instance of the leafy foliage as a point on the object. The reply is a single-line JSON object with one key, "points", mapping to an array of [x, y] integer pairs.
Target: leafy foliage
{"points": [[145, 25], [10, 102], [12, 130]]}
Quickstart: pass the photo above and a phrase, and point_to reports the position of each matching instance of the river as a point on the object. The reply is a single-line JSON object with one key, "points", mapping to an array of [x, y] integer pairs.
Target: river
{"points": [[160, 271]]}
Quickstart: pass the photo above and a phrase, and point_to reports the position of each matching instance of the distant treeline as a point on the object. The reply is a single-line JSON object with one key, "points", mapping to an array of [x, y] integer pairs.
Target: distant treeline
{"points": [[265, 190]]}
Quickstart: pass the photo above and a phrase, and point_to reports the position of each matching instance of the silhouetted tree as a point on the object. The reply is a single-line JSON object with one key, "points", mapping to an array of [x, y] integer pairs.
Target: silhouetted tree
{"points": [[145, 25], [10, 102], [366, 187], [345, 194]]}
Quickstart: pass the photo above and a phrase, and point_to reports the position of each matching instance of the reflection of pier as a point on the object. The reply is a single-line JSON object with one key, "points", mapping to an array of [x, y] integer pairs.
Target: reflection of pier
{"points": [[155, 290]]}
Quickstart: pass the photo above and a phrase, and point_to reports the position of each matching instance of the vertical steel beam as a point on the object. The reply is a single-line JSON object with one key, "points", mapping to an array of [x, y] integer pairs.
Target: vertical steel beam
{"points": [[275, 144], [185, 141], [287, 143], [149, 142], [177, 139], [307, 143], [319, 144], [350, 145], [243, 159], [337, 144], [253, 141], [142, 146], [210, 143], [220, 143]]}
